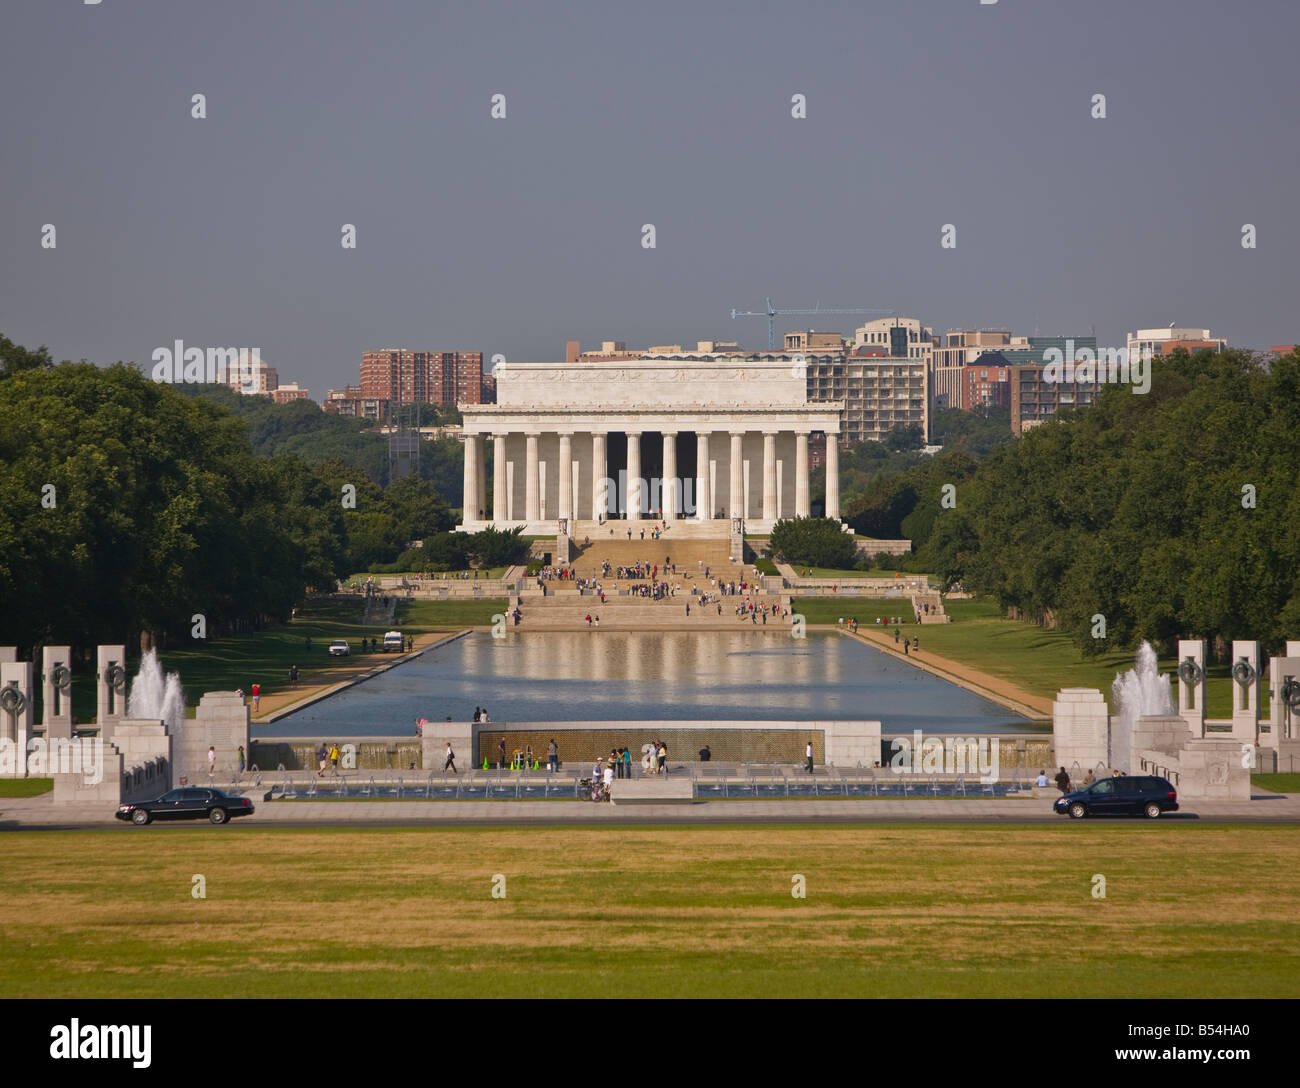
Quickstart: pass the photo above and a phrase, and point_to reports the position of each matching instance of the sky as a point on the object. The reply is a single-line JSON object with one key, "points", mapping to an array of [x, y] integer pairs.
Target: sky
{"points": [[512, 235]]}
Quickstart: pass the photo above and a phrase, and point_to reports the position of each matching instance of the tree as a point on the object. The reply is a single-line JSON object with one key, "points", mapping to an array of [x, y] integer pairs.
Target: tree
{"points": [[817, 542]]}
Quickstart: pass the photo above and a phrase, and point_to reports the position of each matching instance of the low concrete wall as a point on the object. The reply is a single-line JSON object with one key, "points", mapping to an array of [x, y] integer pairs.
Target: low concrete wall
{"points": [[652, 791], [842, 742]]}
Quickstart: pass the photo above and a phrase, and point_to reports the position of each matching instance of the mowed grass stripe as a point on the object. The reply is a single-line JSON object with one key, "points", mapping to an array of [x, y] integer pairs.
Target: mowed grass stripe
{"points": [[667, 911]]}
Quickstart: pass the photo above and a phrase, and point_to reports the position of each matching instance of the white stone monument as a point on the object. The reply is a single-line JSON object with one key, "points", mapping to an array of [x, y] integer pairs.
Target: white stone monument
{"points": [[56, 691], [1191, 684], [110, 689]]}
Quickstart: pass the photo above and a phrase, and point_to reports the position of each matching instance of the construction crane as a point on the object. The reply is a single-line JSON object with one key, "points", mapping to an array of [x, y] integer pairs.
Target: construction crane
{"points": [[771, 316]]}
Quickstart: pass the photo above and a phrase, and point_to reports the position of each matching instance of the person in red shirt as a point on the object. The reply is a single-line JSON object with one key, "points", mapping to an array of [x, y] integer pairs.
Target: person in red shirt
{"points": [[257, 694]]}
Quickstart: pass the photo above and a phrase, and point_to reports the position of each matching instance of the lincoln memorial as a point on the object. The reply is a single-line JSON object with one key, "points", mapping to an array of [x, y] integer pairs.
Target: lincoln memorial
{"points": [[711, 440]]}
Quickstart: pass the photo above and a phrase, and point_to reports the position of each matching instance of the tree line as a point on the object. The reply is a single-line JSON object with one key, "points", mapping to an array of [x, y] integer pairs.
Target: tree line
{"points": [[1170, 514], [128, 505]]}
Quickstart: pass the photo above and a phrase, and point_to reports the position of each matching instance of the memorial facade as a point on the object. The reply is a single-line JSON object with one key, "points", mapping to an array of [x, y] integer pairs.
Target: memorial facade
{"points": [[640, 439]]}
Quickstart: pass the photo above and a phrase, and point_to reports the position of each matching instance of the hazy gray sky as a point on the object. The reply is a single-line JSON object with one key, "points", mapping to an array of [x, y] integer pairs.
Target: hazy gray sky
{"points": [[514, 235]]}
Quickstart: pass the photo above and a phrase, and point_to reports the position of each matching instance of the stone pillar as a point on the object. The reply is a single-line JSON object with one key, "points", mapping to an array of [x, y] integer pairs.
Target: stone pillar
{"points": [[1080, 729], [599, 477], [769, 475], [566, 475], [832, 476], [1246, 702], [480, 470], [473, 445], [669, 489], [703, 496], [16, 721], [500, 488], [736, 496], [1191, 697], [56, 696], [110, 689], [635, 499], [532, 492], [801, 505]]}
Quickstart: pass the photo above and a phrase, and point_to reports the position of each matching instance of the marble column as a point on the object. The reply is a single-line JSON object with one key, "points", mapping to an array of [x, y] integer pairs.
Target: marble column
{"points": [[480, 491], [532, 492], [669, 489], [801, 508], [635, 498], [566, 477], [736, 498], [703, 500], [599, 477], [499, 486], [769, 475], [469, 501], [833, 476]]}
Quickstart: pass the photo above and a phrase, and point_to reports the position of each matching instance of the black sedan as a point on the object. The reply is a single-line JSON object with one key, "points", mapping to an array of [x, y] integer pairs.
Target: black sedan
{"points": [[187, 803], [1124, 795]]}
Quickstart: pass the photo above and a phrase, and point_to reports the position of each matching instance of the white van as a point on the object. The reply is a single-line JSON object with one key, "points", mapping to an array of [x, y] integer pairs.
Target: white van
{"points": [[394, 642]]}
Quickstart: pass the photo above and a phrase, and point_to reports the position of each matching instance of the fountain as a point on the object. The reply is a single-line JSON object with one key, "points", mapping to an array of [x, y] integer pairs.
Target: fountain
{"points": [[154, 696], [1140, 692]]}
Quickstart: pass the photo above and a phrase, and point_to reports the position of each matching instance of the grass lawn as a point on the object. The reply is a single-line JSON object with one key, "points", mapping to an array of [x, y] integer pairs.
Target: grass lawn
{"points": [[1038, 660], [25, 787], [1277, 783], [921, 911], [264, 657], [866, 609]]}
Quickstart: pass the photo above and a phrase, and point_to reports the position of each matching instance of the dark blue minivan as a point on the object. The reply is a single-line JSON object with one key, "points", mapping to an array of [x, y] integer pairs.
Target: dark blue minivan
{"points": [[1125, 795]]}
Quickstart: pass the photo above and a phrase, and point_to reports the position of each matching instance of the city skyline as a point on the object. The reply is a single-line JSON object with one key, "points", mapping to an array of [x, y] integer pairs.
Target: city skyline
{"points": [[510, 235]]}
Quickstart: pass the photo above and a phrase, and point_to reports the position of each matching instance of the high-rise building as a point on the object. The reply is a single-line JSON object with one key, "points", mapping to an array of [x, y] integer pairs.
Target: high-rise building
{"points": [[407, 376], [814, 341], [252, 377], [1162, 341]]}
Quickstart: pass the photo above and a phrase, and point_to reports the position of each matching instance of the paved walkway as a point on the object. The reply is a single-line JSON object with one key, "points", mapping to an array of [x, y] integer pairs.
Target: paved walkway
{"points": [[1001, 691], [40, 812]]}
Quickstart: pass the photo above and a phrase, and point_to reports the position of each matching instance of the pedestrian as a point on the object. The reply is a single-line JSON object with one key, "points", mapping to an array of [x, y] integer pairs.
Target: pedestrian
{"points": [[916, 642], [808, 755], [241, 759], [334, 758], [322, 757], [705, 754], [501, 753], [552, 756], [616, 763], [627, 763], [663, 758], [609, 776], [451, 760], [478, 714], [257, 696], [293, 675], [1063, 781], [212, 760]]}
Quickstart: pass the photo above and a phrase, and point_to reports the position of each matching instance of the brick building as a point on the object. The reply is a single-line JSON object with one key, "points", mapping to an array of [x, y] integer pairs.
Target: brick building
{"points": [[407, 376]]}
